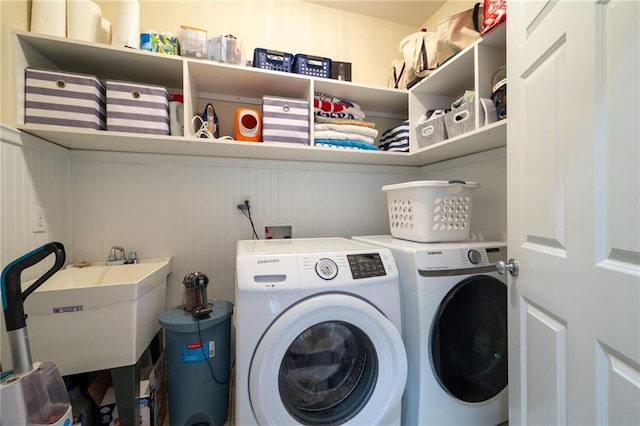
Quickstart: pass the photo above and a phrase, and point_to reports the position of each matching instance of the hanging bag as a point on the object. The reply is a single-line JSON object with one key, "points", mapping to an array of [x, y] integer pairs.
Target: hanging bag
{"points": [[399, 75], [420, 53], [459, 31]]}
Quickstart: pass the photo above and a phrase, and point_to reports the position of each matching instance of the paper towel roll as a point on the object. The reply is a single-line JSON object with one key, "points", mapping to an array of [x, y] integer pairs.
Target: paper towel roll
{"points": [[105, 34], [126, 31], [84, 20], [49, 17]]}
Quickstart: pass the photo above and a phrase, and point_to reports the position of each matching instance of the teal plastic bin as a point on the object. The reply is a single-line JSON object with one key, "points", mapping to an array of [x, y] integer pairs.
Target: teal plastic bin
{"points": [[198, 364]]}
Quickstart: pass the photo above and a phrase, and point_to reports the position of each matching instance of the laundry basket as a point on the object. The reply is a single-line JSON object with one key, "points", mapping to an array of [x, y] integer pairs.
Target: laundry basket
{"points": [[430, 211]]}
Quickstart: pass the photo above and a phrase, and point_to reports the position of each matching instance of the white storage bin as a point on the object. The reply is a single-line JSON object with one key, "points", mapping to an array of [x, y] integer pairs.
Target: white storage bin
{"points": [[137, 108], [285, 120], [430, 211], [64, 99]]}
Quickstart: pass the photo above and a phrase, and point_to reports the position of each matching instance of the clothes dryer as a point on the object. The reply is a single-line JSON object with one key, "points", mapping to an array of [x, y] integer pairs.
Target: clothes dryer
{"points": [[318, 336], [454, 329]]}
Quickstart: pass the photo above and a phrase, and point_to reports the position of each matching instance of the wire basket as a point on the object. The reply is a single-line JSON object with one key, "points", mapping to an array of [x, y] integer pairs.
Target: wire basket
{"points": [[430, 211], [272, 60]]}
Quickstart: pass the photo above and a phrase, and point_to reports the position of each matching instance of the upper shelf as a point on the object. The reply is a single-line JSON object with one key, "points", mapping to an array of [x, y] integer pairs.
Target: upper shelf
{"points": [[208, 79]]}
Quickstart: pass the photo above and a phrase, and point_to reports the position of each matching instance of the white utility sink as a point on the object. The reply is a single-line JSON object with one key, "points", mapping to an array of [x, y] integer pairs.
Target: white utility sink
{"points": [[97, 317]]}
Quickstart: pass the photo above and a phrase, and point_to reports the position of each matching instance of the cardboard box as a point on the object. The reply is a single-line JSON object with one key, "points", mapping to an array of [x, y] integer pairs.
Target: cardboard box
{"points": [[151, 400], [157, 375], [108, 410], [64, 99]]}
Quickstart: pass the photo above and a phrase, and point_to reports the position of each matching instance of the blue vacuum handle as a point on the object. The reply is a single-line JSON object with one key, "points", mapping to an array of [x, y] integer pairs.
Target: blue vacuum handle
{"points": [[12, 295]]}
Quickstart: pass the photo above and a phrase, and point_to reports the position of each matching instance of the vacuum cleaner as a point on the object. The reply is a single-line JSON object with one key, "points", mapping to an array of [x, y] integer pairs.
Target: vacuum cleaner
{"points": [[33, 394]]}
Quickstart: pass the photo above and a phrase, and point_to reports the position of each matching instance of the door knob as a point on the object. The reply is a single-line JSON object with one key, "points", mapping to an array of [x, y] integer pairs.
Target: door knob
{"points": [[512, 266]]}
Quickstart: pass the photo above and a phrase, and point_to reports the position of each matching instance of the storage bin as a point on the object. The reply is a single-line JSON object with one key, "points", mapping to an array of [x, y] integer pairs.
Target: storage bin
{"points": [[431, 131], [430, 211], [285, 120], [64, 99], [272, 60], [314, 66], [137, 108], [460, 120]]}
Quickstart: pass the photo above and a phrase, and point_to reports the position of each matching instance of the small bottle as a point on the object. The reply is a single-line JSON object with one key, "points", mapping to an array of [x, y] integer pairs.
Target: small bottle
{"points": [[176, 115], [341, 72]]}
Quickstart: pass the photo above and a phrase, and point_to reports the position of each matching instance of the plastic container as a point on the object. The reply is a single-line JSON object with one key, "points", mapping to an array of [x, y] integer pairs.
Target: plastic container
{"points": [[272, 60], [198, 364], [314, 66], [430, 211]]}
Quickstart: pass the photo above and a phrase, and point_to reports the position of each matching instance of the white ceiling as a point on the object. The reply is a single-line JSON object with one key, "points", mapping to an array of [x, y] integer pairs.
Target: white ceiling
{"points": [[413, 13]]}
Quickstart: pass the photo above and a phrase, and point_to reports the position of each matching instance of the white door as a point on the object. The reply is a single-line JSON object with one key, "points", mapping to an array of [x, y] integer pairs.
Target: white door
{"points": [[574, 211]]}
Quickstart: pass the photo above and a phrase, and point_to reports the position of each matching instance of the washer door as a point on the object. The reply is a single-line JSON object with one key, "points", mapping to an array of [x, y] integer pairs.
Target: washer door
{"points": [[469, 339], [330, 359]]}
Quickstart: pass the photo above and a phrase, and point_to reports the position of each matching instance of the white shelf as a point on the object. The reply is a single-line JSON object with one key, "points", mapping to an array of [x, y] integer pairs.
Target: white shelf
{"points": [[202, 79]]}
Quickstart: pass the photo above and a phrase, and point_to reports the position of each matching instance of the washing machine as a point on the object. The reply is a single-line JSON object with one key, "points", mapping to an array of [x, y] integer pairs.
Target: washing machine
{"points": [[318, 333], [454, 329]]}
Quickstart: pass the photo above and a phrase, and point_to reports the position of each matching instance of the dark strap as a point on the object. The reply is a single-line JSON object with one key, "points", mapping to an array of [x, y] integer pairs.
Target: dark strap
{"points": [[476, 17], [396, 77]]}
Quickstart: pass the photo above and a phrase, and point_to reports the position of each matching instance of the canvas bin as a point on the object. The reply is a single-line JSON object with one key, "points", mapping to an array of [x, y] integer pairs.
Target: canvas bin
{"points": [[285, 120], [137, 108], [64, 99], [431, 131], [430, 211]]}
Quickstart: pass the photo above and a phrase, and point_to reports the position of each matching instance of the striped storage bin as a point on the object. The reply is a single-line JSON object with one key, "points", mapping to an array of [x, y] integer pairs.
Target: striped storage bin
{"points": [[137, 108], [285, 120], [64, 99]]}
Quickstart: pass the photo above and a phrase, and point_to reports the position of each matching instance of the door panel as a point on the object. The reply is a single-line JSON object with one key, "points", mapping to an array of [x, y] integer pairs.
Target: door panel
{"points": [[574, 211]]}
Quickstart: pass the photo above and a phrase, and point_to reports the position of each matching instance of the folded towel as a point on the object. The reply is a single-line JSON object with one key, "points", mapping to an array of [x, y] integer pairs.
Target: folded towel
{"points": [[330, 134], [320, 119], [345, 143], [349, 113], [334, 100], [347, 128], [396, 138]]}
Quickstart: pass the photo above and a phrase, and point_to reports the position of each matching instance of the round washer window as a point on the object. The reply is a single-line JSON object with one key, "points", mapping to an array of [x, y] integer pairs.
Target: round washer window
{"points": [[469, 339], [328, 373]]}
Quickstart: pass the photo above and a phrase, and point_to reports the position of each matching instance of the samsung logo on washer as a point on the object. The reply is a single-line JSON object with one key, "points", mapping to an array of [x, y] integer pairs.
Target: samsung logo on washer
{"points": [[268, 261], [433, 252]]}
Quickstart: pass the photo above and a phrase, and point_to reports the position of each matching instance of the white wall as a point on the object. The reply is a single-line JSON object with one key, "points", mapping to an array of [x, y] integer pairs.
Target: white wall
{"points": [[186, 207], [33, 173], [489, 169]]}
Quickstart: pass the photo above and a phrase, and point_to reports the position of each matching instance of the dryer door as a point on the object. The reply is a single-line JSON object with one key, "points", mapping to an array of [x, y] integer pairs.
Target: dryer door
{"points": [[329, 359], [469, 339]]}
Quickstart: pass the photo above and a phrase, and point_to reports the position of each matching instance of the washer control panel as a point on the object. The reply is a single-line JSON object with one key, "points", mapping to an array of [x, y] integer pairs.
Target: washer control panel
{"points": [[474, 256], [326, 269], [366, 265]]}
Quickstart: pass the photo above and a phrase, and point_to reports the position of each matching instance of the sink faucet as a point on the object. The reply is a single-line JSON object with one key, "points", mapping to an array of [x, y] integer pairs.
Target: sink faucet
{"points": [[118, 256]]}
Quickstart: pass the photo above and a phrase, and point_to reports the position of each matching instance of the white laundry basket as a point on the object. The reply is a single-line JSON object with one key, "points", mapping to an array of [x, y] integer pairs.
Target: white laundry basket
{"points": [[430, 211]]}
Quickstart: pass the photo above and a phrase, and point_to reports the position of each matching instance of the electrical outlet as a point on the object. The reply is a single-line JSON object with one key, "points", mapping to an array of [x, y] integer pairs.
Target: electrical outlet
{"points": [[39, 220], [243, 198]]}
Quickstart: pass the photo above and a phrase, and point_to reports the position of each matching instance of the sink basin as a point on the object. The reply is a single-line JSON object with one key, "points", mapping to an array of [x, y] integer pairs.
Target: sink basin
{"points": [[97, 317]]}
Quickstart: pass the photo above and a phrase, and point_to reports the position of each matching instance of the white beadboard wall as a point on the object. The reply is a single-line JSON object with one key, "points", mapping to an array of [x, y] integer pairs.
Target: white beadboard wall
{"points": [[185, 207], [33, 173], [489, 169]]}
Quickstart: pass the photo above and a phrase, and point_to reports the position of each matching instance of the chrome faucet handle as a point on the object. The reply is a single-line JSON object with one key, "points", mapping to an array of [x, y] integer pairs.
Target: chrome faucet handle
{"points": [[113, 256], [133, 257]]}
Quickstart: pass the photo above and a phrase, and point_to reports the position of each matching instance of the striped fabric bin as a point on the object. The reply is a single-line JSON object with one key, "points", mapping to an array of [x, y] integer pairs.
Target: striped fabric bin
{"points": [[285, 120], [64, 99], [137, 108]]}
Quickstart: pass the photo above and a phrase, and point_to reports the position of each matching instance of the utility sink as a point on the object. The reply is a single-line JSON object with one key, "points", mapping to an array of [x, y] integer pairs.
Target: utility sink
{"points": [[97, 317]]}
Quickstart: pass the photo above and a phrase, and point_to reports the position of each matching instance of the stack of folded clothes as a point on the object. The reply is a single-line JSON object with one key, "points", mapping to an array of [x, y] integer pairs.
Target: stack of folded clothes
{"points": [[396, 139], [340, 124]]}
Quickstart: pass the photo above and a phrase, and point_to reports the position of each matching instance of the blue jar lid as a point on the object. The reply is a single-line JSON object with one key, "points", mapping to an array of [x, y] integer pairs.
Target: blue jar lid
{"points": [[177, 319]]}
